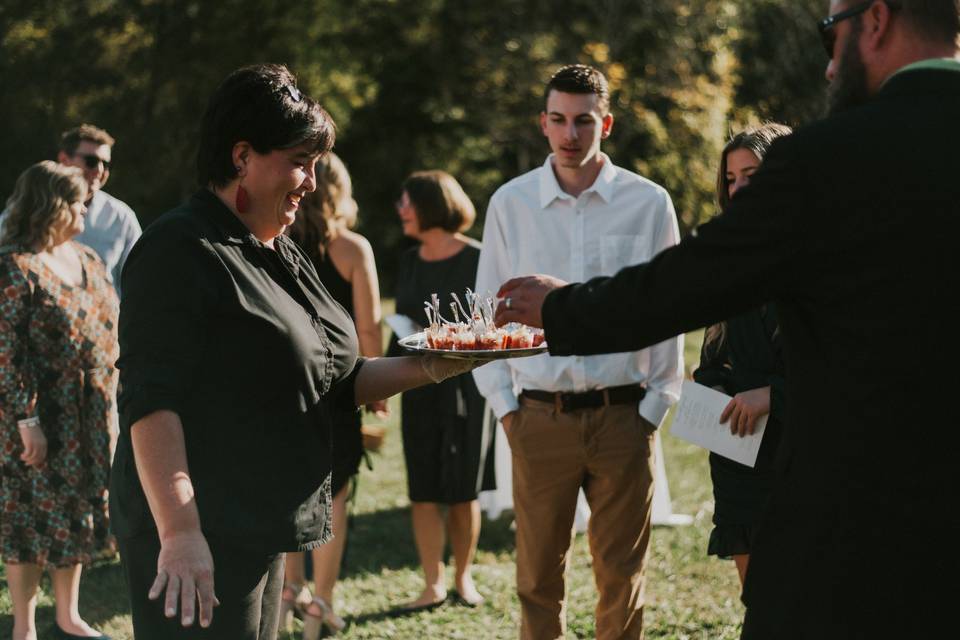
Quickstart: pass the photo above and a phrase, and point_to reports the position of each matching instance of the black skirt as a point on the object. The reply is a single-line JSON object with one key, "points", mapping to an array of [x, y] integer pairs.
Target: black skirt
{"points": [[449, 456]]}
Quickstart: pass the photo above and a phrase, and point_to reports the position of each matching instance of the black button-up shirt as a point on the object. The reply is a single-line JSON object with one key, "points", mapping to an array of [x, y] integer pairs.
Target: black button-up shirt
{"points": [[245, 344]]}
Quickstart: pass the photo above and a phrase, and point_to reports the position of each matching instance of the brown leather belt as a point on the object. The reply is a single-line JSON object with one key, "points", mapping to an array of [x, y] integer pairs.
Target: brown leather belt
{"points": [[566, 402]]}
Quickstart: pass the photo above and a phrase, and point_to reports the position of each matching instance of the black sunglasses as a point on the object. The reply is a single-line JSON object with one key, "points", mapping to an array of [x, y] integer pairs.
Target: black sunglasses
{"points": [[826, 26], [92, 161]]}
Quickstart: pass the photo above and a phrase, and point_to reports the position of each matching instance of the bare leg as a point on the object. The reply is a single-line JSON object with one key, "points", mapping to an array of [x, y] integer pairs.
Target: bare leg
{"points": [[66, 591], [295, 595], [742, 561], [463, 528], [327, 558], [428, 533], [23, 580]]}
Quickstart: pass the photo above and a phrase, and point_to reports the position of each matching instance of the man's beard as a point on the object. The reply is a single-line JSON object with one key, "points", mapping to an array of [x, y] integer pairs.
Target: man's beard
{"points": [[849, 86]]}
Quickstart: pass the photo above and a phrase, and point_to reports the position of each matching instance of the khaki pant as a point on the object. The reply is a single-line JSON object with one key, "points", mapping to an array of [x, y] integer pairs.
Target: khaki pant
{"points": [[609, 452]]}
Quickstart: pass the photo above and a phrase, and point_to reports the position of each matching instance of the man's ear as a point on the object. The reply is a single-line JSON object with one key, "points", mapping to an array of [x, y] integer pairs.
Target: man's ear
{"points": [[62, 156], [877, 22], [240, 155], [543, 122], [607, 125]]}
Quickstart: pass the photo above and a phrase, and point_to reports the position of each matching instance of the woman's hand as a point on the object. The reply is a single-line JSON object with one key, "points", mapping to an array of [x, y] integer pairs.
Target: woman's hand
{"points": [[380, 408], [439, 369], [185, 570], [745, 409], [34, 444]]}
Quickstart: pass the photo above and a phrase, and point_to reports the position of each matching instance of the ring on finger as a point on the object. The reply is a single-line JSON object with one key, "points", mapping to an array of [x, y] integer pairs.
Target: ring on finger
{"points": [[508, 303]]}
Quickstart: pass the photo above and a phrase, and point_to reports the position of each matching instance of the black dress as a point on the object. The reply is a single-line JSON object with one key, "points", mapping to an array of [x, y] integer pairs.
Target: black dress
{"points": [[444, 444], [748, 357], [347, 439]]}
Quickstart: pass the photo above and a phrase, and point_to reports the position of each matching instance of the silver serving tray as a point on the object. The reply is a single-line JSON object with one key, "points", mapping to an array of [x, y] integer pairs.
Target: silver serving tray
{"points": [[418, 343]]}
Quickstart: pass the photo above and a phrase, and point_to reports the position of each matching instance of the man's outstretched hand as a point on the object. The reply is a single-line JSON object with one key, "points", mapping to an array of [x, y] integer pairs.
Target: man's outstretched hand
{"points": [[522, 299]]}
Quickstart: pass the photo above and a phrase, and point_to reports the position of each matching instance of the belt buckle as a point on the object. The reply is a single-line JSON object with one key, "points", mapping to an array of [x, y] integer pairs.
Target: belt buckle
{"points": [[563, 402]]}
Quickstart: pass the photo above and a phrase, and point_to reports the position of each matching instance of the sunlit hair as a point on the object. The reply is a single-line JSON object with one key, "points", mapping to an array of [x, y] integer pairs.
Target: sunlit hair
{"points": [[39, 209], [439, 201], [757, 140], [330, 205], [71, 138], [580, 78], [261, 105]]}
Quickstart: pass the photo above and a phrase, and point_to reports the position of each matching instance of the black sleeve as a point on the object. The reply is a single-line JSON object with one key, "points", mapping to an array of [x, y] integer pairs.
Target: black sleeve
{"points": [[777, 379], [714, 369], [343, 394], [170, 285], [738, 260]]}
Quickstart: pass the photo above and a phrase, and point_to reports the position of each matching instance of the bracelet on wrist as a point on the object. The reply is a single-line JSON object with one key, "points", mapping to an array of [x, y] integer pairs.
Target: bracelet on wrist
{"points": [[32, 422]]}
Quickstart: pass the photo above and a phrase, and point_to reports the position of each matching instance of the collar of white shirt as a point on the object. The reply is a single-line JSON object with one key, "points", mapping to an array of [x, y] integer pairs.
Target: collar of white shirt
{"points": [[550, 189]]}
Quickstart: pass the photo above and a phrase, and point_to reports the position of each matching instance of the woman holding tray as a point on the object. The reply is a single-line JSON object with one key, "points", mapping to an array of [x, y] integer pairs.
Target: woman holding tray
{"points": [[742, 358], [444, 443], [233, 356]]}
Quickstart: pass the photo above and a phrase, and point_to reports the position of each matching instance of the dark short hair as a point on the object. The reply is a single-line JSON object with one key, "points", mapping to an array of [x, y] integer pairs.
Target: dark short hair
{"points": [[262, 105], [580, 78], [71, 138], [936, 19], [439, 201], [754, 139]]}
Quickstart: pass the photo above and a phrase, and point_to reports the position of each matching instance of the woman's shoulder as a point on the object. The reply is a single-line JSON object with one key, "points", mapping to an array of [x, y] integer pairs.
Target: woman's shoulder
{"points": [[352, 245]]}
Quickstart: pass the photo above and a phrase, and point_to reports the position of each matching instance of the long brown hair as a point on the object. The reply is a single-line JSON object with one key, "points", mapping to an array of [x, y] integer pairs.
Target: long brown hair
{"points": [[39, 207], [329, 205], [757, 140]]}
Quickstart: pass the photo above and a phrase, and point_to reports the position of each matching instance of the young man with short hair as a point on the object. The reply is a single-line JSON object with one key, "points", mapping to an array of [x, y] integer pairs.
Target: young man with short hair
{"points": [[110, 226], [579, 422]]}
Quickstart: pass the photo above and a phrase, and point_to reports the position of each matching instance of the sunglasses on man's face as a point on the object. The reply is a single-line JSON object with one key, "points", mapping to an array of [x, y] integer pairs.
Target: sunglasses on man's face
{"points": [[828, 34], [91, 161]]}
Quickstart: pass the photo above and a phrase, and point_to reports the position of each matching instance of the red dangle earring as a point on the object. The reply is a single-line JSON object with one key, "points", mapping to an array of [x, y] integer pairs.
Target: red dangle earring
{"points": [[243, 198]]}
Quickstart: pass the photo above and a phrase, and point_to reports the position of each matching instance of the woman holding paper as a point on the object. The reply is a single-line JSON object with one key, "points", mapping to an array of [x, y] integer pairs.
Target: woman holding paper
{"points": [[742, 357]]}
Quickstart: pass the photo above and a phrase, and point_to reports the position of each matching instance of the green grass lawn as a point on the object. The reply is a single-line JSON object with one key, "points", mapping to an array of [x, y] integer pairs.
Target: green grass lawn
{"points": [[688, 594]]}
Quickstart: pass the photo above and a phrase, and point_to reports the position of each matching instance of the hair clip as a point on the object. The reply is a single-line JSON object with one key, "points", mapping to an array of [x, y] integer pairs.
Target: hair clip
{"points": [[294, 92]]}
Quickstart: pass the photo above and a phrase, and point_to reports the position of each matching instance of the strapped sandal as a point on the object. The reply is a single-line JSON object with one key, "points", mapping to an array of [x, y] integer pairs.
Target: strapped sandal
{"points": [[294, 599], [313, 625]]}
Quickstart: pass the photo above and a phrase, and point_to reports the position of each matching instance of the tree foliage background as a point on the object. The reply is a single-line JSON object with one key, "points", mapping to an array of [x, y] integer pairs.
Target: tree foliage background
{"points": [[412, 84]]}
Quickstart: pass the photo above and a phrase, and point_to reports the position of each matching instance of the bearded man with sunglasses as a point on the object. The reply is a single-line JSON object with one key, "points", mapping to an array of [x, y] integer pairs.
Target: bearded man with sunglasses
{"points": [[850, 226], [110, 226]]}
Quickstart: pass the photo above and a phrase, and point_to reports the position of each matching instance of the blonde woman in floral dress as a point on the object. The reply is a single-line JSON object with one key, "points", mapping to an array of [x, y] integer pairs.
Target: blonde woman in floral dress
{"points": [[58, 343]]}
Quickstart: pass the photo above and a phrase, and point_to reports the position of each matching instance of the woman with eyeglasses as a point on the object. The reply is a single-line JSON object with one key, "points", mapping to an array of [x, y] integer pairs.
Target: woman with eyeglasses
{"points": [[742, 357], [58, 343], [444, 445], [344, 261], [233, 359]]}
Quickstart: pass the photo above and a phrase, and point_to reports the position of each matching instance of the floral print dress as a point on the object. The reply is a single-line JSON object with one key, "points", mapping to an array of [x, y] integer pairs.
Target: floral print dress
{"points": [[58, 346]]}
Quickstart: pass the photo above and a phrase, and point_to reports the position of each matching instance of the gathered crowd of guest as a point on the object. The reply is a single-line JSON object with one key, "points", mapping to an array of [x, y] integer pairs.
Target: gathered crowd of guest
{"points": [[220, 397]]}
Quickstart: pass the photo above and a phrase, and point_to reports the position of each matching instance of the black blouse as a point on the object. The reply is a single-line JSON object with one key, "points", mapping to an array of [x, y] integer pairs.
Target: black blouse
{"points": [[245, 344]]}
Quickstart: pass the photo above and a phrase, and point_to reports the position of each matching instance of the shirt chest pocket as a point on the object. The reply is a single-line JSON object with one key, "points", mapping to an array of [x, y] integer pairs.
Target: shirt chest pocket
{"points": [[619, 251]]}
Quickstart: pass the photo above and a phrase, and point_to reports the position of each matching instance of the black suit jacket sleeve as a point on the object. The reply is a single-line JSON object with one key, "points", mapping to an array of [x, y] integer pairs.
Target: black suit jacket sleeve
{"points": [[759, 247]]}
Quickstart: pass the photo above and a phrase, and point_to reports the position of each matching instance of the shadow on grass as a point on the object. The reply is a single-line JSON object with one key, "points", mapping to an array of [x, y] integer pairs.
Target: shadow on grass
{"points": [[103, 596], [384, 540]]}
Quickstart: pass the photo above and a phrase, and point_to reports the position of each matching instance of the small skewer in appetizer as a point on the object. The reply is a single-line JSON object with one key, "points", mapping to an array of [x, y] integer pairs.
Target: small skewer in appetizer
{"points": [[476, 330]]}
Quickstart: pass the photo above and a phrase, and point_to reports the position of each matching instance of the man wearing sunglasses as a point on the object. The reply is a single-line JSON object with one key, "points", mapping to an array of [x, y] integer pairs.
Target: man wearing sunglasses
{"points": [[850, 226], [111, 227]]}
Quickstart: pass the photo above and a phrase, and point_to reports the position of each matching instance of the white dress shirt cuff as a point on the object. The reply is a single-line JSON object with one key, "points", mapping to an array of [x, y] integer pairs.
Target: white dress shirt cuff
{"points": [[654, 407], [503, 402]]}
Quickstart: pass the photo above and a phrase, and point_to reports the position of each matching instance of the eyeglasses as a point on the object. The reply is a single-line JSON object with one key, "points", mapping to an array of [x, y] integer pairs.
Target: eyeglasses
{"points": [[91, 161], [826, 26]]}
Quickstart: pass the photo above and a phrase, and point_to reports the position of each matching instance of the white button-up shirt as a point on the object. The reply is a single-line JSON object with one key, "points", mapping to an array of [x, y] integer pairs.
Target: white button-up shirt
{"points": [[533, 226]]}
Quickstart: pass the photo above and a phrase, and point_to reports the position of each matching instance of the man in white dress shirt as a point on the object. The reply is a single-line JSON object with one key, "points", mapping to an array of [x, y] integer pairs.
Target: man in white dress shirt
{"points": [[110, 226], [579, 421]]}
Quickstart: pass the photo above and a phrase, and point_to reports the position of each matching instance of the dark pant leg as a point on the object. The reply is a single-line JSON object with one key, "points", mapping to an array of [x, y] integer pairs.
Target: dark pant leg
{"points": [[247, 583]]}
